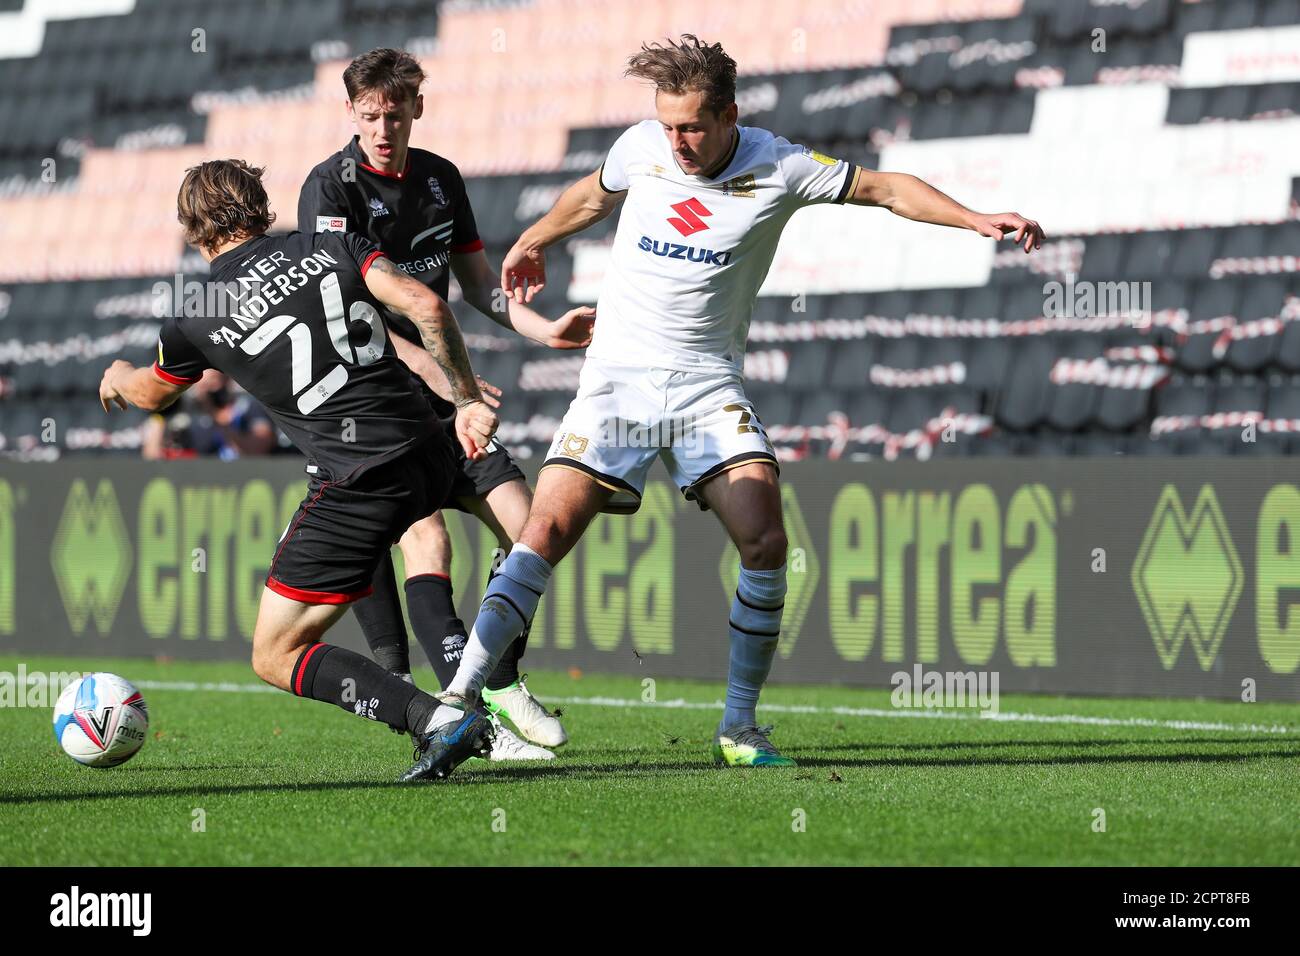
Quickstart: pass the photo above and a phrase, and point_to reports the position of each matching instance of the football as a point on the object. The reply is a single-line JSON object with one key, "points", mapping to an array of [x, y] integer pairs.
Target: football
{"points": [[101, 720]]}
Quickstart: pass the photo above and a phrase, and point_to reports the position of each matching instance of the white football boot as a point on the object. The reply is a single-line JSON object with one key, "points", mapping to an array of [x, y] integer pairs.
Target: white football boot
{"points": [[524, 711], [506, 745]]}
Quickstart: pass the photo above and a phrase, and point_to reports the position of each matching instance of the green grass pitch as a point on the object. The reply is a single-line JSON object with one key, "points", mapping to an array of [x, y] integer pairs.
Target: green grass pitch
{"points": [[287, 781]]}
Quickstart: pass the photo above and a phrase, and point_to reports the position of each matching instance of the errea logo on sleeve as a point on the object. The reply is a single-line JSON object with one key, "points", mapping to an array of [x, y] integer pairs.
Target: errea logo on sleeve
{"points": [[331, 224]]}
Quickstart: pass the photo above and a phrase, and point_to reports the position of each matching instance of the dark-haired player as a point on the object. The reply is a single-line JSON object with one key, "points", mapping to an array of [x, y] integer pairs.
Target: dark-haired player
{"points": [[301, 332], [412, 204]]}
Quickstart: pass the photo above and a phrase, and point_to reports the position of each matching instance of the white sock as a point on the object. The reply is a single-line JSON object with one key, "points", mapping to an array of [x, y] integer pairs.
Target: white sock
{"points": [[508, 606], [444, 715], [754, 626]]}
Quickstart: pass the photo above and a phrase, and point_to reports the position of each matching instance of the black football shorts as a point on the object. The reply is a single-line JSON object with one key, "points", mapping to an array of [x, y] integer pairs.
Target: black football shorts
{"points": [[474, 479], [341, 532]]}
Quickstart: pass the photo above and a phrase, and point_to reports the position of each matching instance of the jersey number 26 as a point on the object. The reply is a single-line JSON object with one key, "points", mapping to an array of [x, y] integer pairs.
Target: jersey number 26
{"points": [[338, 318]]}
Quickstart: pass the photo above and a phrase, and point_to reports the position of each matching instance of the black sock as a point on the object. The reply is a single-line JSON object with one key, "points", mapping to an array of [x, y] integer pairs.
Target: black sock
{"points": [[433, 619], [338, 676], [380, 617], [507, 670]]}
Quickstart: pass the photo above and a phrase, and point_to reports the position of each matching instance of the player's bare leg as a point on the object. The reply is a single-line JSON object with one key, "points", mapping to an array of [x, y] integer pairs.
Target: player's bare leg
{"points": [[504, 509], [747, 500], [288, 653], [566, 502], [426, 553], [284, 629]]}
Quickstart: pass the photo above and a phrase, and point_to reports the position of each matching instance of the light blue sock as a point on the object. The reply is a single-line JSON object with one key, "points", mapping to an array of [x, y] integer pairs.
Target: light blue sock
{"points": [[508, 605], [754, 627]]}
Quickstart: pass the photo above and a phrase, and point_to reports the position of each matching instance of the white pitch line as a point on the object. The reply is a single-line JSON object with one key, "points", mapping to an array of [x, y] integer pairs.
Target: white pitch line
{"points": [[681, 704]]}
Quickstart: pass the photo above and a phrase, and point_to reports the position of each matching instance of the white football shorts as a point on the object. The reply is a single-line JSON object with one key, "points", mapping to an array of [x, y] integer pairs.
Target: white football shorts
{"points": [[624, 417]]}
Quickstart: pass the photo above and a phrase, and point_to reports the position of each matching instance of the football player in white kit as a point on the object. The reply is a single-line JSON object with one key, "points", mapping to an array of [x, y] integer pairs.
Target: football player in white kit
{"points": [[704, 202]]}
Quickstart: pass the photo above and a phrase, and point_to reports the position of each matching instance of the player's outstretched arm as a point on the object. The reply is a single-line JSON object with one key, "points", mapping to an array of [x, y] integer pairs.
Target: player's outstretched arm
{"points": [[476, 423], [419, 361], [478, 283], [585, 203], [913, 198], [123, 384]]}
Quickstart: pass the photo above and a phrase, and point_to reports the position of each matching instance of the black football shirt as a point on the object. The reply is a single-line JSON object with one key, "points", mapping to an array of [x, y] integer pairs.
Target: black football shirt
{"points": [[290, 319], [419, 217]]}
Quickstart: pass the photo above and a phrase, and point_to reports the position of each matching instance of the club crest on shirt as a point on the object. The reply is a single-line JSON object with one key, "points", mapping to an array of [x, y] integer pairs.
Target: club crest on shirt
{"points": [[742, 186], [436, 188], [377, 208]]}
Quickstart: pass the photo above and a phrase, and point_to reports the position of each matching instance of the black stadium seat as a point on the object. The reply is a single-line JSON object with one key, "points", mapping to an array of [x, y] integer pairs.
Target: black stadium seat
{"points": [[1229, 103], [1288, 350], [809, 363], [914, 408], [1278, 13], [869, 406], [1194, 251], [1211, 299], [1244, 393], [1023, 401], [1071, 406], [1121, 409], [849, 364], [988, 364], [1148, 256], [1104, 257]]}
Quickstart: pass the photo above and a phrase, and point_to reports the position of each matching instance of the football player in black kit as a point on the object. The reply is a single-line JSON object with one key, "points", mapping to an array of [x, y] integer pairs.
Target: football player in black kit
{"points": [[412, 204], [300, 330]]}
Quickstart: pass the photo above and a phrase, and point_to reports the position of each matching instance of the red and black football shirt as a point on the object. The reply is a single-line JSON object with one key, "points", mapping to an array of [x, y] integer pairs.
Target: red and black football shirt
{"points": [[419, 218], [290, 319]]}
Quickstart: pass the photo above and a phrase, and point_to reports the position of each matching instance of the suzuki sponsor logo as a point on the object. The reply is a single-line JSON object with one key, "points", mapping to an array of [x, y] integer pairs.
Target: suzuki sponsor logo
{"points": [[676, 250], [690, 211]]}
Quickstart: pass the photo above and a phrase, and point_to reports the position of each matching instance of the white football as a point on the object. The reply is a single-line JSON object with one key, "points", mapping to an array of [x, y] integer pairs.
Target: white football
{"points": [[101, 720]]}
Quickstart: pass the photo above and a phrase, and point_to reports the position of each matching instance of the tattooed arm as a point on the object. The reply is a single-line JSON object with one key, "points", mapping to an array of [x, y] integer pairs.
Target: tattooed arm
{"points": [[432, 316], [475, 421]]}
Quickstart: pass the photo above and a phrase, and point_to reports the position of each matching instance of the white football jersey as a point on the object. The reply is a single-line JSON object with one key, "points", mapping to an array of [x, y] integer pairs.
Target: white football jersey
{"points": [[690, 253]]}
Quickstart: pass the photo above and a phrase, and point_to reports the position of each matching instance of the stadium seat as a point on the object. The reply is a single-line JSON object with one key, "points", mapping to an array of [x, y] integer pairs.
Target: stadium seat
{"points": [[809, 363], [1022, 404], [1194, 251], [1122, 408], [1071, 405], [1148, 256], [988, 365]]}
